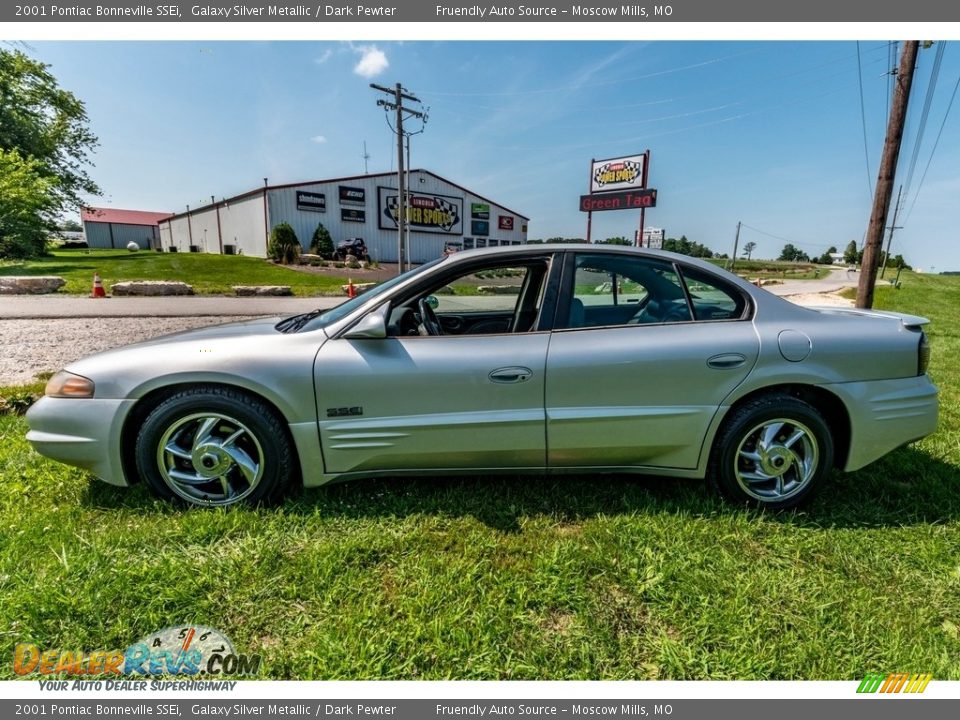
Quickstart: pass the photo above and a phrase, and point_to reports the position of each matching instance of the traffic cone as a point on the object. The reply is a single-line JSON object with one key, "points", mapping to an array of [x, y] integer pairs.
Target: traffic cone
{"points": [[98, 291], [351, 290]]}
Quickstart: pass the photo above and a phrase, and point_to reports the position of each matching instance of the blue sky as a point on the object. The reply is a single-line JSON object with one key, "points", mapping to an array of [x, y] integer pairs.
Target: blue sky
{"points": [[767, 133]]}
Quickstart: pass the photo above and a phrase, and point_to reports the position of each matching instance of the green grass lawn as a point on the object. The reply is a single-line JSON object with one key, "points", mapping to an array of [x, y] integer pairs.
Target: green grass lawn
{"points": [[207, 273], [775, 269], [584, 577]]}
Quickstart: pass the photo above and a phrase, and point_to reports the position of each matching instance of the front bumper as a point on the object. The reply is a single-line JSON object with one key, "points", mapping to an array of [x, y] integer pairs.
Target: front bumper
{"points": [[885, 414], [81, 432]]}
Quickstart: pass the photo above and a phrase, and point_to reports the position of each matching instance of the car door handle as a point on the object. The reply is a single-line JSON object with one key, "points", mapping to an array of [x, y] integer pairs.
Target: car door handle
{"points": [[510, 375], [726, 361]]}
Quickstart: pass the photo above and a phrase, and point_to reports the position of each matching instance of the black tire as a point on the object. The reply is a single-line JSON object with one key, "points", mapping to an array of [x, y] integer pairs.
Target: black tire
{"points": [[744, 468], [224, 447]]}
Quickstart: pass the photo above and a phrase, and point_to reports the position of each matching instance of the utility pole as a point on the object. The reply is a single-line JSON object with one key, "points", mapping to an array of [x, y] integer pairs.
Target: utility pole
{"points": [[399, 96], [736, 242], [888, 170], [365, 156], [893, 226]]}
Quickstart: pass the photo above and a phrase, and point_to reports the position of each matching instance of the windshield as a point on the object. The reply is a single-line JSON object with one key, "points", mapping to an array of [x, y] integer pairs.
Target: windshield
{"points": [[316, 319]]}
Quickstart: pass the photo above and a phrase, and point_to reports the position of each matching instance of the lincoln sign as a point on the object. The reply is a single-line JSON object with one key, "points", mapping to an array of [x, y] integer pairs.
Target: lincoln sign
{"points": [[625, 200]]}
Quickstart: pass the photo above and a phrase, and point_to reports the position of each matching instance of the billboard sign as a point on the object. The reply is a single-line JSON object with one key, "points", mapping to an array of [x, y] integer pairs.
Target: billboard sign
{"points": [[505, 222], [622, 173], [353, 215], [352, 195], [316, 202], [625, 200], [479, 211], [426, 212]]}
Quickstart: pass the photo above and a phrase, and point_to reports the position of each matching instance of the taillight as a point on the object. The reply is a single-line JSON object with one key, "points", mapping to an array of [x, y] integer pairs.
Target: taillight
{"points": [[923, 355]]}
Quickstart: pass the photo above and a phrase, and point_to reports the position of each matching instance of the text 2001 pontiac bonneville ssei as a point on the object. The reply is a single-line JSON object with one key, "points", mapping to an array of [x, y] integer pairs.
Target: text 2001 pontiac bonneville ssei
{"points": [[527, 359]]}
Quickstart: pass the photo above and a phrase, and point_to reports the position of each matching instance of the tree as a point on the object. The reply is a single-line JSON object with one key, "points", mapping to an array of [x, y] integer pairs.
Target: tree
{"points": [[619, 240], [826, 258], [48, 128], [851, 255], [686, 247], [284, 247], [748, 249], [27, 205], [793, 254], [322, 243], [70, 225]]}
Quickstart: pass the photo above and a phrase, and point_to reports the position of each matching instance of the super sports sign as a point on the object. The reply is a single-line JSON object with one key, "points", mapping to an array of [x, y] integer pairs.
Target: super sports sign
{"points": [[425, 212], [618, 173]]}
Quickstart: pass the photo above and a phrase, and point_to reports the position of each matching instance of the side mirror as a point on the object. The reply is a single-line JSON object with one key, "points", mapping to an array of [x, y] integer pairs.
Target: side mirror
{"points": [[372, 326]]}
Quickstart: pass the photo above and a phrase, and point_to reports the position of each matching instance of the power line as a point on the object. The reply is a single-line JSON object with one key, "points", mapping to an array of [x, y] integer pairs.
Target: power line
{"points": [[787, 240], [634, 78], [863, 120], [925, 113], [934, 150]]}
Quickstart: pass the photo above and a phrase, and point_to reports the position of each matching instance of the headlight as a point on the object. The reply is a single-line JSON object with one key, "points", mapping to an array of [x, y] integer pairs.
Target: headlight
{"points": [[68, 385]]}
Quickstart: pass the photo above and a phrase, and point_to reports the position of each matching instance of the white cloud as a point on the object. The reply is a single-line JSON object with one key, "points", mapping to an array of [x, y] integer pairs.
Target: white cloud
{"points": [[327, 54], [319, 139], [372, 61]]}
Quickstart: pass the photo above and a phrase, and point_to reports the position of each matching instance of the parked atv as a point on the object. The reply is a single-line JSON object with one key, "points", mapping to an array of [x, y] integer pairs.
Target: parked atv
{"points": [[351, 246]]}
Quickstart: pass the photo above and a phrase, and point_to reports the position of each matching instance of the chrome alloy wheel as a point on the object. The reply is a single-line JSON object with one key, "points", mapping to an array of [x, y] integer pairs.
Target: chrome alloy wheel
{"points": [[776, 459], [209, 458]]}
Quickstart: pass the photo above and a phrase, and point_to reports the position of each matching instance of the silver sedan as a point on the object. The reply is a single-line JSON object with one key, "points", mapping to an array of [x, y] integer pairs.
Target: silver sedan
{"points": [[528, 359]]}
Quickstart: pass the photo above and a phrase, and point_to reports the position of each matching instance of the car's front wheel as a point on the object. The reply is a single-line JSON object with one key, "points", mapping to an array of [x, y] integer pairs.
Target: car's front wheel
{"points": [[214, 447], [773, 452]]}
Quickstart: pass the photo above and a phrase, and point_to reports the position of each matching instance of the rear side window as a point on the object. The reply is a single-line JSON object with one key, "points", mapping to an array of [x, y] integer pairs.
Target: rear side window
{"points": [[617, 289], [711, 298]]}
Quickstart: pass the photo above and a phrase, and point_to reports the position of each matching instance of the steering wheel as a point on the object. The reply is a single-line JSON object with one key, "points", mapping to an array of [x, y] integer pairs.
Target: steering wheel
{"points": [[428, 319]]}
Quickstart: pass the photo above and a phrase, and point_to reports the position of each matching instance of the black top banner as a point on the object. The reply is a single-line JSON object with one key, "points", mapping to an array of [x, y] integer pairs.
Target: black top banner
{"points": [[509, 11]]}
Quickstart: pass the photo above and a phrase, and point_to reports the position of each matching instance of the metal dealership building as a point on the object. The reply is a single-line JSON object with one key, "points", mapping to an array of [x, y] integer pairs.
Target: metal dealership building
{"points": [[440, 213]]}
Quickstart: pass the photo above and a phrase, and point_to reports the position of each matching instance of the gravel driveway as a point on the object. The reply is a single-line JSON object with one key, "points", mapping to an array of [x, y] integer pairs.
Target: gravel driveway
{"points": [[35, 346]]}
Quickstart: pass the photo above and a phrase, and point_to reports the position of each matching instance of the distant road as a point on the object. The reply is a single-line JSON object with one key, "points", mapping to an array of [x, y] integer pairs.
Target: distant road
{"points": [[837, 280]]}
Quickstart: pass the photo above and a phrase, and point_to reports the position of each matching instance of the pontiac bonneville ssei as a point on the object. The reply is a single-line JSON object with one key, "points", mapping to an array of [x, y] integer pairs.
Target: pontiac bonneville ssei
{"points": [[526, 359]]}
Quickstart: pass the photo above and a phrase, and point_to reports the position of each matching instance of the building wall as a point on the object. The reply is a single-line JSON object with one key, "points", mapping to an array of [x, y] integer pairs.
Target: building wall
{"points": [[99, 235], [381, 240], [242, 225]]}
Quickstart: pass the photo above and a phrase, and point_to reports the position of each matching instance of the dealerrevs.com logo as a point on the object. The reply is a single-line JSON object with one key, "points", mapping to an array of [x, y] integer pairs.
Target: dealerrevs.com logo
{"points": [[895, 683], [191, 650]]}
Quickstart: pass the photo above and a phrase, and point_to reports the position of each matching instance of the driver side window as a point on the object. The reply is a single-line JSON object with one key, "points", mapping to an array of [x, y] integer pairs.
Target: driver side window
{"points": [[611, 290], [485, 300]]}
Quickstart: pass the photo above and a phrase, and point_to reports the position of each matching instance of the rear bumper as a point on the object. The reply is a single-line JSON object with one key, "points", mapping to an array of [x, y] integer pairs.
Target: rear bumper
{"points": [[80, 432], [885, 414]]}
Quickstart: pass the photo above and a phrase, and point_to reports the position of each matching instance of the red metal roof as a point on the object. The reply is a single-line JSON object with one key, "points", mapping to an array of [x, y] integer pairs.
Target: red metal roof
{"points": [[122, 217]]}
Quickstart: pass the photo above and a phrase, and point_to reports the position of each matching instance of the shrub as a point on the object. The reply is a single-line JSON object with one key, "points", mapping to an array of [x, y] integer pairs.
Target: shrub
{"points": [[284, 246], [322, 243], [17, 403]]}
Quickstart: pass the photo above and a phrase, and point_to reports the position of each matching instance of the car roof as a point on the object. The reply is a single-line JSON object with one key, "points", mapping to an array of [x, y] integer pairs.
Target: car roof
{"points": [[583, 247]]}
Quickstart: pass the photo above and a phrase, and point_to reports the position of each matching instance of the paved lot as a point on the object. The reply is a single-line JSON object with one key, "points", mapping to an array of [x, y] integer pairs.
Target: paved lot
{"points": [[71, 306]]}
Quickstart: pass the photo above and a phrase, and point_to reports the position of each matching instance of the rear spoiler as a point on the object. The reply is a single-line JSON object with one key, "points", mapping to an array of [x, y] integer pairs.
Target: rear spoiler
{"points": [[909, 321]]}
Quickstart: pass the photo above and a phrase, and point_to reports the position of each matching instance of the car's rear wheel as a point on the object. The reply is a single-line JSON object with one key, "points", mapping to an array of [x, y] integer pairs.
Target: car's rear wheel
{"points": [[214, 447], [773, 452]]}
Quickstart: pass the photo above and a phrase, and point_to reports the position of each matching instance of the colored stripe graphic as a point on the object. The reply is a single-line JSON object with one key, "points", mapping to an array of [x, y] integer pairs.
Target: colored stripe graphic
{"points": [[895, 683]]}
